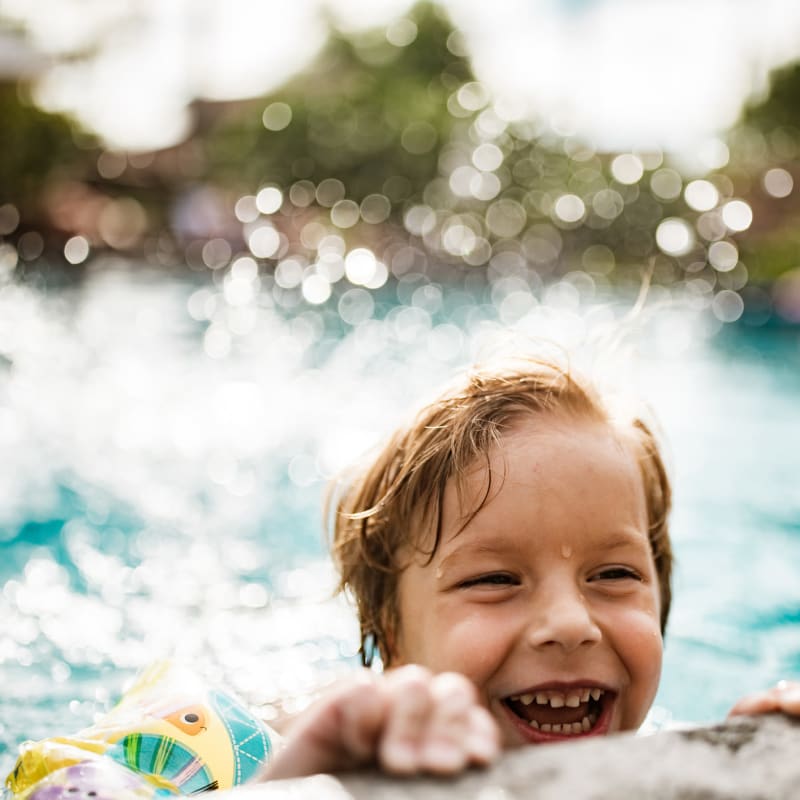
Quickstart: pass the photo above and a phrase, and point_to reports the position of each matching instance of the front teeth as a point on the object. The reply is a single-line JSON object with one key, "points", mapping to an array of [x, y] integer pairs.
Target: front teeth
{"points": [[554, 699]]}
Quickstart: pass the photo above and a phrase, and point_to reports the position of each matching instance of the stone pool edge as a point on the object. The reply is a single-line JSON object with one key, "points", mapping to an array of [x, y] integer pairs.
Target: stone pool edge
{"points": [[749, 758]]}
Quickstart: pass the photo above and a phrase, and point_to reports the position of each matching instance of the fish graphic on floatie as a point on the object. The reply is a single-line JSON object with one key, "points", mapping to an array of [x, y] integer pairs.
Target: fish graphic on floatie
{"points": [[169, 728]]}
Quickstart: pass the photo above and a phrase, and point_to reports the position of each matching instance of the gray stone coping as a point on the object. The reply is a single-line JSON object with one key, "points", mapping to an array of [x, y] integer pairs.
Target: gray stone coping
{"points": [[748, 758]]}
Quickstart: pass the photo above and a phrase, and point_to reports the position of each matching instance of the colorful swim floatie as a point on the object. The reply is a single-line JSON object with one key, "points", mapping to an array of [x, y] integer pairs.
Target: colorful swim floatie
{"points": [[168, 735]]}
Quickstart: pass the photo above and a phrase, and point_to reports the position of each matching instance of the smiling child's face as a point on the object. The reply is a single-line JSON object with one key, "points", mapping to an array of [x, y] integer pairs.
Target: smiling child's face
{"points": [[548, 600]]}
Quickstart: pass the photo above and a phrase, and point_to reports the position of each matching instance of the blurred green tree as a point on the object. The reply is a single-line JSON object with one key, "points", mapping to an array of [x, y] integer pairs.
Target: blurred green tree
{"points": [[780, 107], [34, 145], [365, 112], [768, 135], [386, 112]]}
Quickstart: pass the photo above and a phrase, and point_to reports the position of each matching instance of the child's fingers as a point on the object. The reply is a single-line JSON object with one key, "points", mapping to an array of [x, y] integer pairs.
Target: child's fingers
{"points": [[361, 712], [444, 749], [459, 731], [756, 703], [340, 731], [434, 724], [410, 704], [790, 697], [785, 696], [484, 737], [409, 720]]}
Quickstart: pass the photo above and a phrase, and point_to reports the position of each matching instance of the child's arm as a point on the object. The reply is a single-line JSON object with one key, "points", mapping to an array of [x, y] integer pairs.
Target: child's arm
{"points": [[405, 721], [784, 696]]}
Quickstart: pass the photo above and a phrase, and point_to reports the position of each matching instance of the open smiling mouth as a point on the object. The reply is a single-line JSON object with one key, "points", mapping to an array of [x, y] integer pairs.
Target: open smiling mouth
{"points": [[571, 712]]}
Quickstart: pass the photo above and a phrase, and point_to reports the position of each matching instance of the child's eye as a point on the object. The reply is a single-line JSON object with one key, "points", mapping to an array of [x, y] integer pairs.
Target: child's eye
{"points": [[617, 573], [491, 579]]}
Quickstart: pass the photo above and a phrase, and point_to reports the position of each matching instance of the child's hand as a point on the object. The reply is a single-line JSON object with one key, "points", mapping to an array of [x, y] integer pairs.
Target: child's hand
{"points": [[784, 696], [405, 721]]}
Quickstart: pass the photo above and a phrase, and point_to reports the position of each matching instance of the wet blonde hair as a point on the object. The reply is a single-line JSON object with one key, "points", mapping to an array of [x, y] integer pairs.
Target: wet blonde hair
{"points": [[396, 501]]}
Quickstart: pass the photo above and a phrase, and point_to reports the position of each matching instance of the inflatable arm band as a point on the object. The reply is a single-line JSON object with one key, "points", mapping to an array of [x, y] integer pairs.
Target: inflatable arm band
{"points": [[168, 735]]}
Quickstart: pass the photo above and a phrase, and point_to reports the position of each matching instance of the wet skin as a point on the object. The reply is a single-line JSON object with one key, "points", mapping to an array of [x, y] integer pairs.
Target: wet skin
{"points": [[549, 591]]}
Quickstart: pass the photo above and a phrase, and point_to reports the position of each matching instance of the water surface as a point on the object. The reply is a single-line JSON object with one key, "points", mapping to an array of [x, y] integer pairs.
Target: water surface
{"points": [[166, 444]]}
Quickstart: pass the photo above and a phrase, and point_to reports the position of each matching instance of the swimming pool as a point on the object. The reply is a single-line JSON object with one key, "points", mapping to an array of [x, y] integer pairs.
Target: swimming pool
{"points": [[166, 444]]}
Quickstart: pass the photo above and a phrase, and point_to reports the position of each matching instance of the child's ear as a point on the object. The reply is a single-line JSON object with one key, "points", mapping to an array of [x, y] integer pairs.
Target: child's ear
{"points": [[388, 643]]}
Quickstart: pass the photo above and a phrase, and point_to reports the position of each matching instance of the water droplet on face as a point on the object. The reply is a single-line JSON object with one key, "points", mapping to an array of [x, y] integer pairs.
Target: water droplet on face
{"points": [[566, 551]]}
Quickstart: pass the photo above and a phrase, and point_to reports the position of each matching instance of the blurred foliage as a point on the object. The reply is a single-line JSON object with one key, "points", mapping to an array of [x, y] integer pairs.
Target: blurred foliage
{"points": [[354, 113], [772, 254], [34, 145], [407, 125], [386, 120], [767, 135], [779, 109]]}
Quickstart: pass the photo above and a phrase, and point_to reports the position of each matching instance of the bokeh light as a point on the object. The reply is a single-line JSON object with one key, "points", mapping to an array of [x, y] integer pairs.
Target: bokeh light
{"points": [[674, 236], [627, 168], [778, 182], [737, 215], [666, 184], [701, 195], [316, 288], [264, 241], [9, 218], [329, 192], [723, 255], [360, 266], [276, 116], [289, 273], [345, 214], [401, 32], [375, 209], [727, 306], [246, 209], [569, 208], [76, 250], [268, 200], [487, 157]]}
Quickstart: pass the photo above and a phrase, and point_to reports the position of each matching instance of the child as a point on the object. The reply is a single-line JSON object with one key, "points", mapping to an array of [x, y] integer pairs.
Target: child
{"points": [[509, 554]]}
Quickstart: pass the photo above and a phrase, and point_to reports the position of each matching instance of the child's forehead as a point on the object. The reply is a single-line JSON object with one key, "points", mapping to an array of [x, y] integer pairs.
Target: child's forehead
{"points": [[535, 466], [463, 546], [550, 434], [532, 437]]}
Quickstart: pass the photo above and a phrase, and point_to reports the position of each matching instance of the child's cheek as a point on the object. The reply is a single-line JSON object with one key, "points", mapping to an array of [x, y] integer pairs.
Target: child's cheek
{"points": [[639, 630], [640, 646], [474, 644]]}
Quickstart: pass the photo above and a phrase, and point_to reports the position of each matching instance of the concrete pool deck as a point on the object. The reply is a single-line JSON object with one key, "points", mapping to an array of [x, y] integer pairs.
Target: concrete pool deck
{"points": [[745, 759]]}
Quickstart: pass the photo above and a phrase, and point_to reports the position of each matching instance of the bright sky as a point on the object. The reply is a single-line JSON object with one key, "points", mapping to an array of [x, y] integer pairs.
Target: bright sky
{"points": [[625, 73]]}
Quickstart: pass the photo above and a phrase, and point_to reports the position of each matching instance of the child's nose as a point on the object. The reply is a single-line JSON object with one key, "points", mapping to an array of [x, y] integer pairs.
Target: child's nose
{"points": [[563, 618]]}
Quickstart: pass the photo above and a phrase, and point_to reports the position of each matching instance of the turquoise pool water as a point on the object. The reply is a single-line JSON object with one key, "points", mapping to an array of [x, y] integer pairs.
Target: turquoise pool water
{"points": [[165, 446]]}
